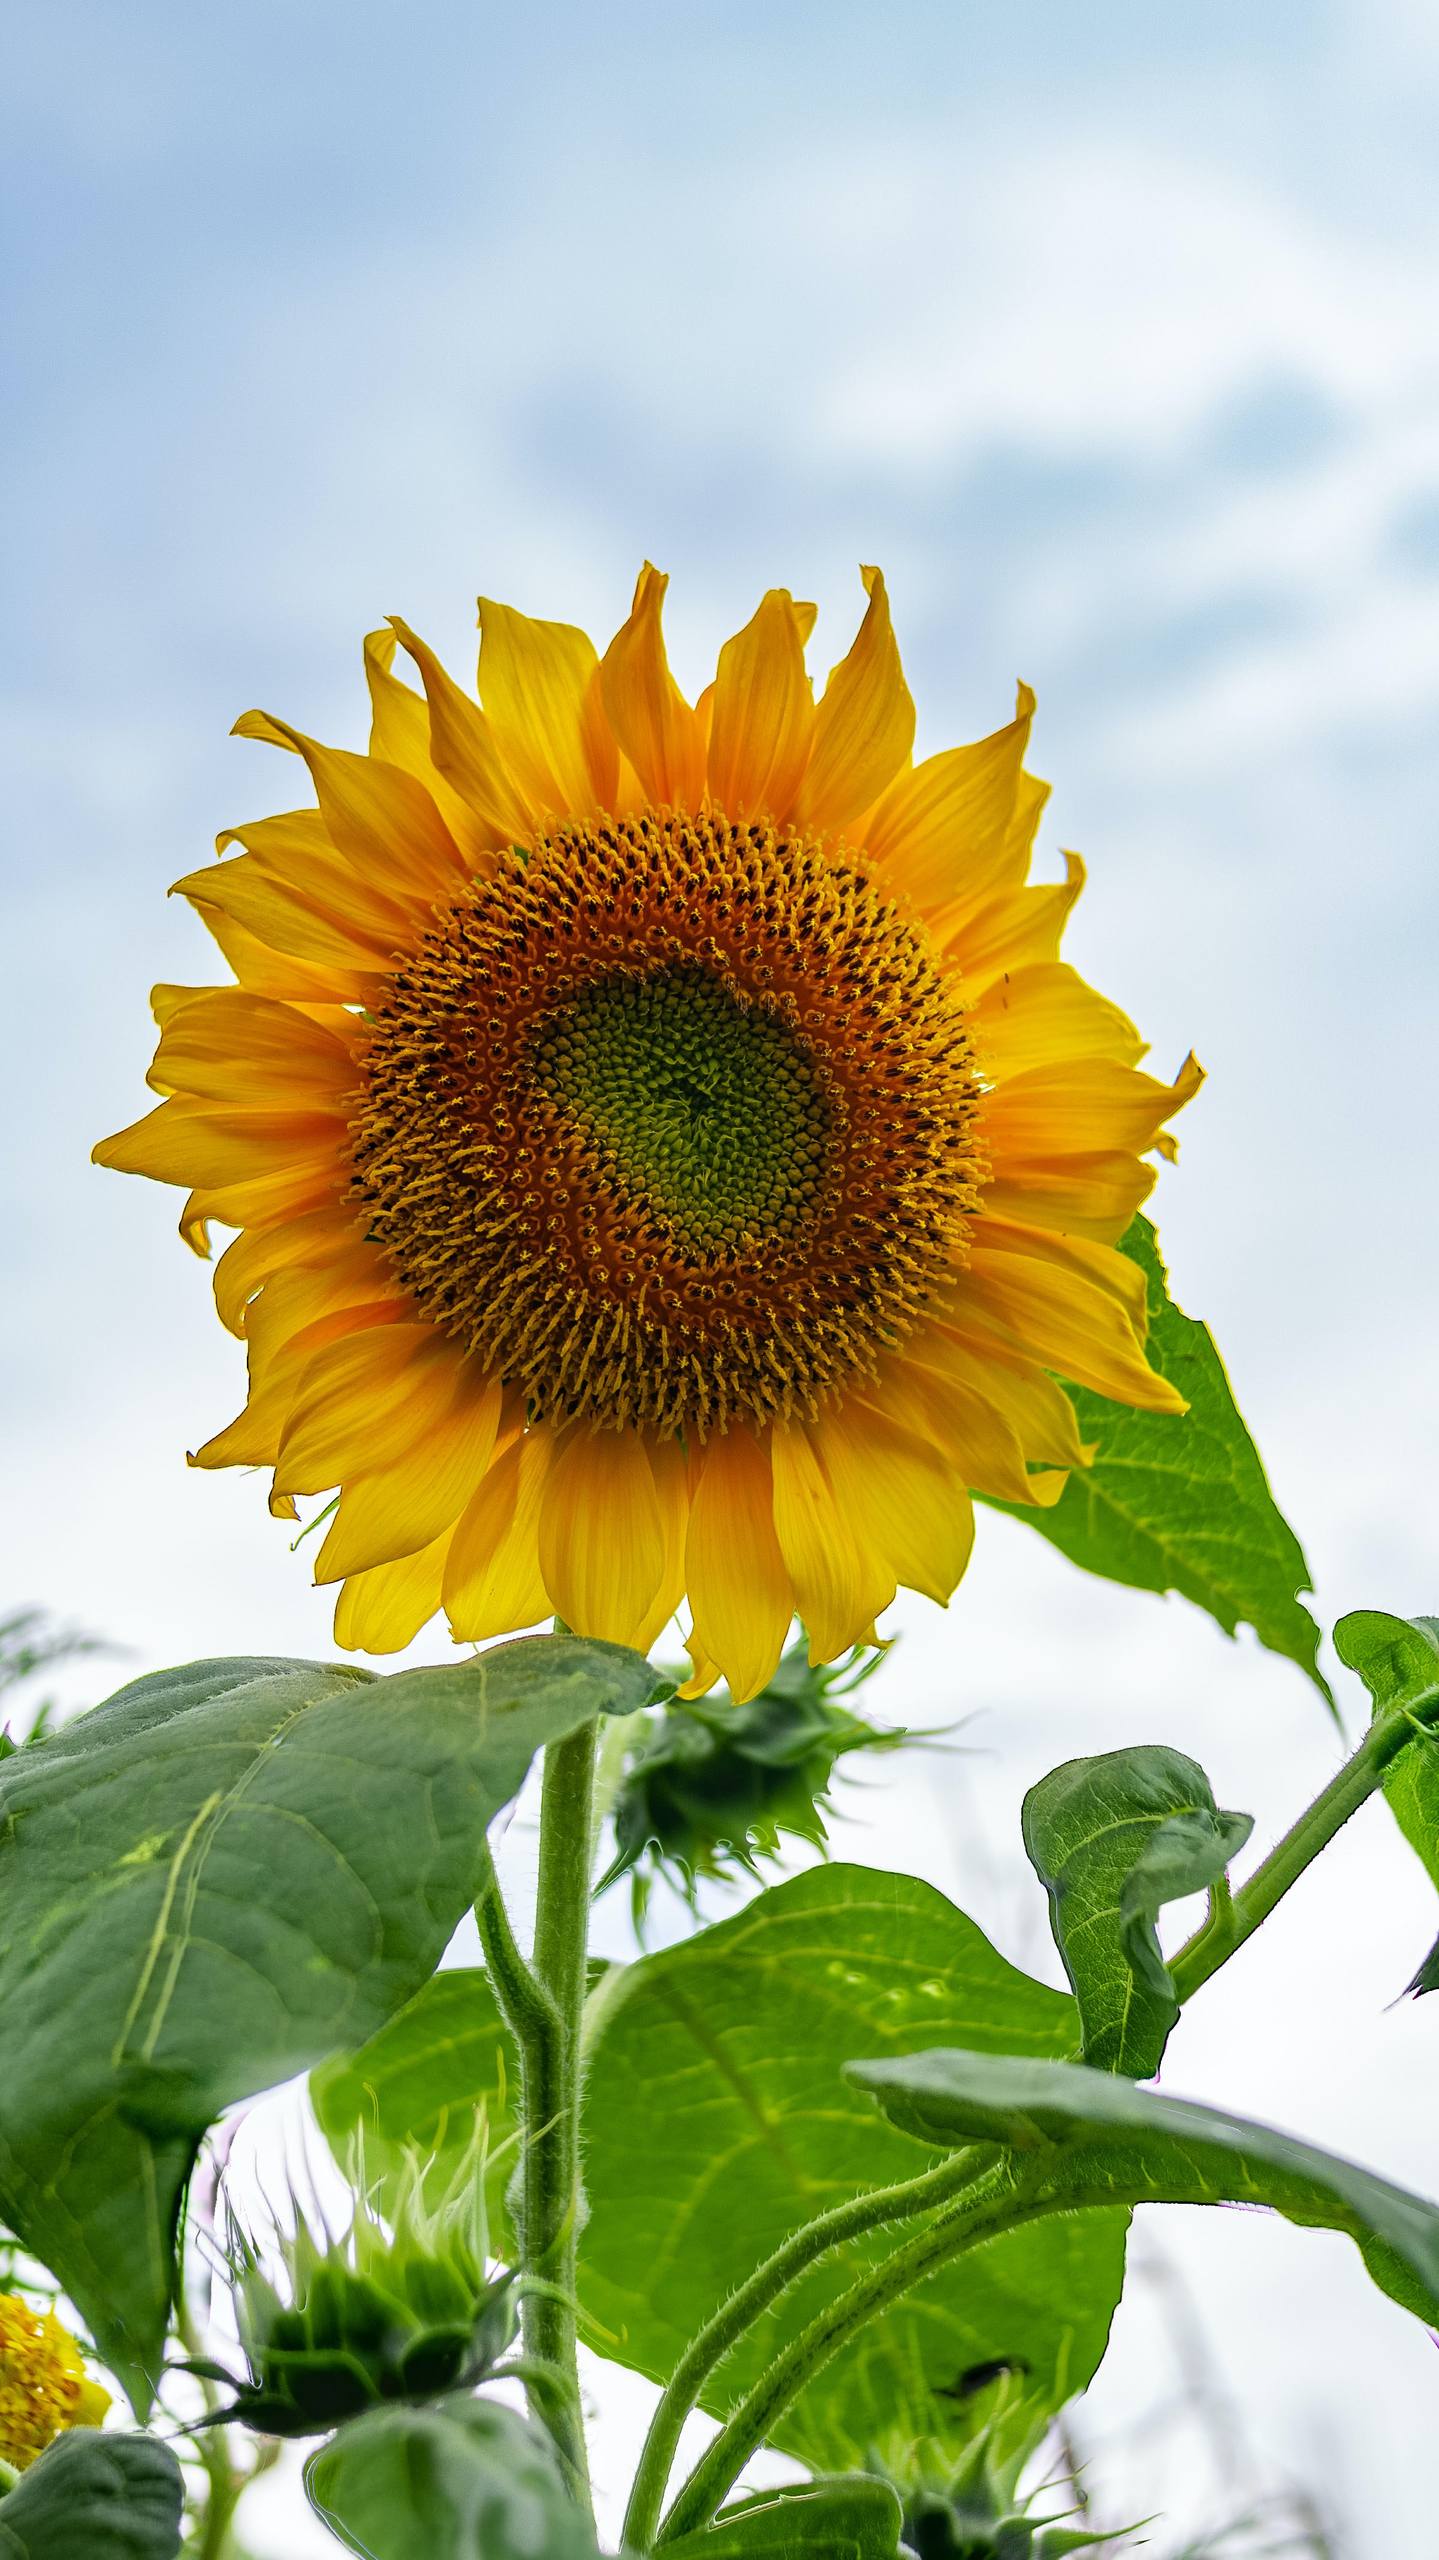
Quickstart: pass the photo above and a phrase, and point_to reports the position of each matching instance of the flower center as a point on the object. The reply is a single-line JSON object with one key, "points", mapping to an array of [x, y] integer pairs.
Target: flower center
{"points": [[709, 1111], [672, 1122]]}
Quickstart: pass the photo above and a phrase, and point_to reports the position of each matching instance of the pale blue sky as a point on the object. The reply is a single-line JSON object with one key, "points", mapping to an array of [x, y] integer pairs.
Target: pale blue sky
{"points": [[1112, 334]]}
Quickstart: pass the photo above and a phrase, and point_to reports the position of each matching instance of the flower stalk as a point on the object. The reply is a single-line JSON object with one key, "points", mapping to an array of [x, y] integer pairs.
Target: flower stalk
{"points": [[543, 2002]]}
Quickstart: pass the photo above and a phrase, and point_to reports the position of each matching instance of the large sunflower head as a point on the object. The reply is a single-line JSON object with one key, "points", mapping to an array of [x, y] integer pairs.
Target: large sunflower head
{"points": [[669, 1157]]}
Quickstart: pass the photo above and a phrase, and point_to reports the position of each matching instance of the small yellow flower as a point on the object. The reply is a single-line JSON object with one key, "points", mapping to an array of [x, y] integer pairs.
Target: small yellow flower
{"points": [[669, 1155], [44, 2387]]}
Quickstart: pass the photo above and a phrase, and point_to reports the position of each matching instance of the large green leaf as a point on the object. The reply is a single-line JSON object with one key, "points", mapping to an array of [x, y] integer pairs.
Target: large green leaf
{"points": [[95, 2497], [1083, 2137], [210, 1882], [1114, 1838], [461, 2480], [440, 2061], [856, 2518], [1398, 1661], [717, 2123], [1180, 1502]]}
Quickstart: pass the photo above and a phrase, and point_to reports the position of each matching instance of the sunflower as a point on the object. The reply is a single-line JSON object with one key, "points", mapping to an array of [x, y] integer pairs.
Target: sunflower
{"points": [[44, 2388], [669, 1156]]}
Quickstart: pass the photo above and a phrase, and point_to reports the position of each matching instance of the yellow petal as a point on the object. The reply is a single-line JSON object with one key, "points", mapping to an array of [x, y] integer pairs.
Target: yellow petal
{"points": [[672, 1494], [839, 1583], [400, 734], [763, 723], [863, 727], [1011, 931], [1090, 1108], [1033, 1017], [260, 1253], [230, 1046], [464, 748], [953, 831], [647, 711], [383, 1610], [1033, 1404], [359, 1401], [382, 817], [297, 893], [535, 683], [906, 1504], [180, 1142], [1097, 1264], [1069, 1324], [281, 1345], [602, 1540], [982, 1448], [738, 1586], [407, 1501], [1093, 1196], [268, 1198], [493, 1581], [278, 974]]}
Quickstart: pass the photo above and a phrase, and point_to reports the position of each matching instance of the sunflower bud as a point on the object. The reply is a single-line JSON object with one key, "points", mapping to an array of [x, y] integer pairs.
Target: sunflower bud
{"points": [[978, 2517], [43, 2384], [711, 1786], [402, 2310]]}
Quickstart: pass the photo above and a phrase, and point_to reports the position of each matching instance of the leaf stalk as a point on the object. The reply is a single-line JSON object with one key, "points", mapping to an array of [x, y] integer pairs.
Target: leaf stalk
{"points": [[1229, 1921], [749, 2301]]}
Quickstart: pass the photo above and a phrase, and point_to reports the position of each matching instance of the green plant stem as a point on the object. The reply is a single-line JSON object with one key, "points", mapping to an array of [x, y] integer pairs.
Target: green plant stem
{"points": [[225, 2484], [527, 2007], [1230, 1921], [550, 2052], [898, 2203], [989, 2205]]}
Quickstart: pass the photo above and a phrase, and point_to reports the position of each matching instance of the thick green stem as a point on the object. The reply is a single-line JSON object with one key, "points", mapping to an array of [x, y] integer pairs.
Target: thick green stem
{"points": [[988, 2205], [844, 2222], [552, 2191], [1229, 1923], [542, 2001]]}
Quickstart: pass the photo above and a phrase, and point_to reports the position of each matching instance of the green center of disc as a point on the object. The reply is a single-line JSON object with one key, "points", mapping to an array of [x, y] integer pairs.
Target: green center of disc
{"points": [[705, 1109]]}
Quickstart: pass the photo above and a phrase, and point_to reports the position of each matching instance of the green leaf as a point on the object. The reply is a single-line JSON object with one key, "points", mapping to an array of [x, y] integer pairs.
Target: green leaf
{"points": [[95, 2497], [1083, 2137], [855, 2518], [717, 2123], [1180, 1502], [1398, 1661], [421, 2081], [1113, 1839], [209, 1883], [461, 2480]]}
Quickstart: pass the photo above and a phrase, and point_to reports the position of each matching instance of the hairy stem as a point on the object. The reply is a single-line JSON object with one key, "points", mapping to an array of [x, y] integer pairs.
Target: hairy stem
{"points": [[552, 2194], [1230, 1921], [713, 2342], [990, 2204], [526, 2006], [542, 2001]]}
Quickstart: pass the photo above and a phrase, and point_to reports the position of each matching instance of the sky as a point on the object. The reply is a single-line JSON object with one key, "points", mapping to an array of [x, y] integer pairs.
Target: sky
{"points": [[1112, 334]]}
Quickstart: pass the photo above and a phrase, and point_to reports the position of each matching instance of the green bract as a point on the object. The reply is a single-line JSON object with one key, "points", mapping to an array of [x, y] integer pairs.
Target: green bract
{"points": [[979, 2515], [711, 1788], [404, 2312]]}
